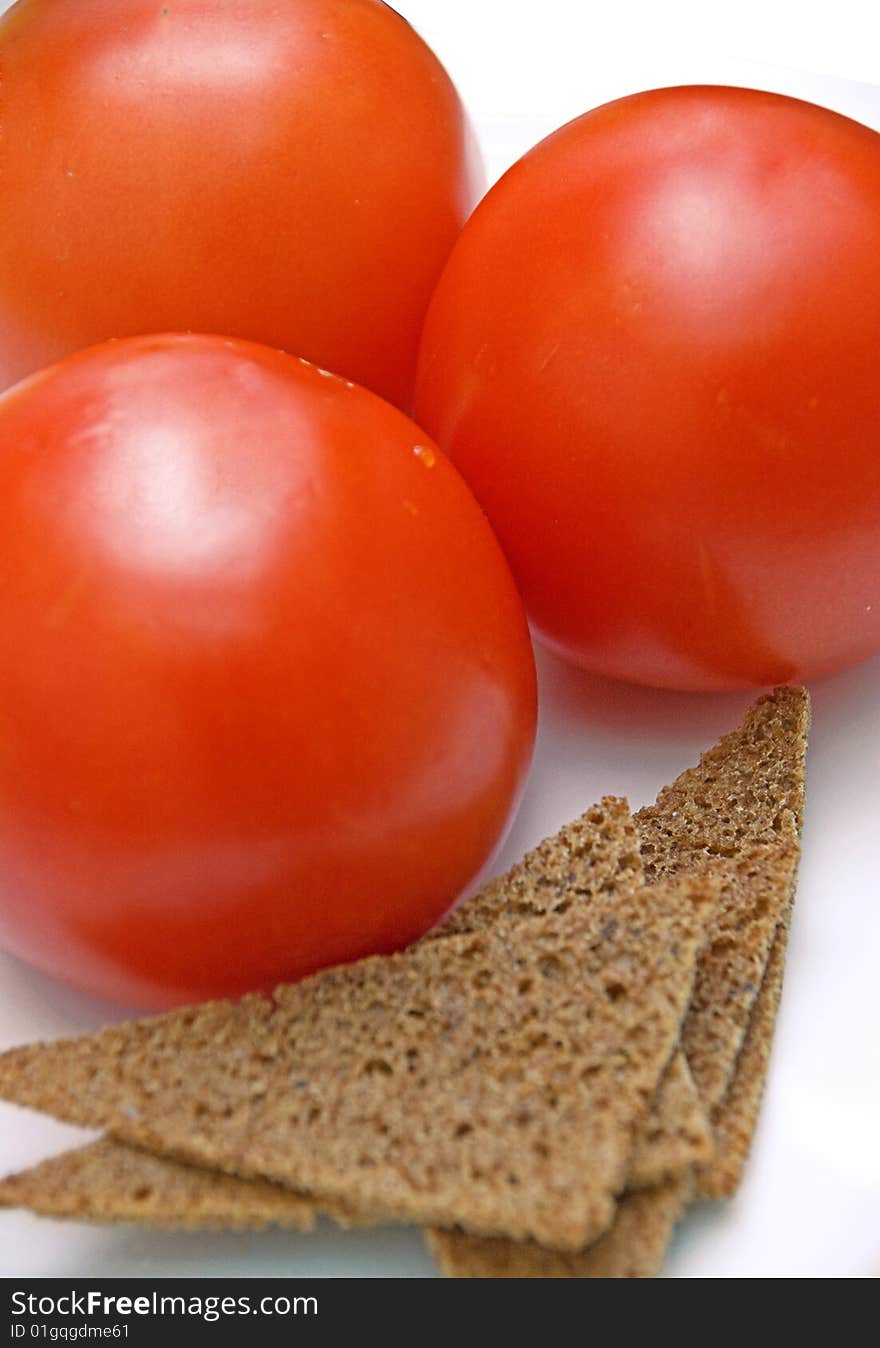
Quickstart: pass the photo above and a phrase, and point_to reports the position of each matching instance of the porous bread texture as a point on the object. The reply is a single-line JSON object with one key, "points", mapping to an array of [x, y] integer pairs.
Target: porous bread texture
{"points": [[738, 1113], [597, 853], [581, 861], [748, 788], [739, 813], [675, 1133], [756, 890], [636, 1242], [745, 796], [489, 1080], [633, 1247], [108, 1181]]}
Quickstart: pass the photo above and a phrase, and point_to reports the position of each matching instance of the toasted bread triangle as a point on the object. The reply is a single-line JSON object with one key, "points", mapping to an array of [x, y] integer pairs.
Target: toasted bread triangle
{"points": [[492, 1079], [635, 1244], [108, 1181], [737, 1115], [633, 1247], [596, 853], [675, 1133], [738, 813], [740, 808]]}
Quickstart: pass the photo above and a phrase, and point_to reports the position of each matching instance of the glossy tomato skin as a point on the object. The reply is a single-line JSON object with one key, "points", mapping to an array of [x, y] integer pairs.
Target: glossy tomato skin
{"points": [[291, 173], [653, 355], [267, 694]]}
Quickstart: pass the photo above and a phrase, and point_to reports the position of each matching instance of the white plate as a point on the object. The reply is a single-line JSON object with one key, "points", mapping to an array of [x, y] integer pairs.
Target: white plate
{"points": [[810, 1202]]}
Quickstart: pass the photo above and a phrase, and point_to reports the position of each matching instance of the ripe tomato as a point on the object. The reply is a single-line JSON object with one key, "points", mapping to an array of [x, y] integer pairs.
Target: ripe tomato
{"points": [[267, 695], [292, 173], [653, 355]]}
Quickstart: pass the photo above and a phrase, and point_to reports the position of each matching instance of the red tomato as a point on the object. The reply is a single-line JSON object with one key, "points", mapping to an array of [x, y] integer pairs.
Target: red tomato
{"points": [[654, 356], [292, 173], [267, 696]]}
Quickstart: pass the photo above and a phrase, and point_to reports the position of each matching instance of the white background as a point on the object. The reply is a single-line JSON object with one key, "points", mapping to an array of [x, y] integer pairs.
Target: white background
{"points": [[810, 1205]]}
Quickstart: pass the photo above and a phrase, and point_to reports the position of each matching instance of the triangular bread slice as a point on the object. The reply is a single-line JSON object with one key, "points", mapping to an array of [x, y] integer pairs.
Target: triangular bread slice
{"points": [[636, 1243], [580, 862], [739, 813], [490, 1080], [633, 1247], [676, 1132], [741, 807], [597, 853], [108, 1181], [687, 834], [737, 1115]]}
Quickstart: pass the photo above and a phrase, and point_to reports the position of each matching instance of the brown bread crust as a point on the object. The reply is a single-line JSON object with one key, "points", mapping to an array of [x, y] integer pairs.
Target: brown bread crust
{"points": [[490, 1080], [634, 1247], [748, 789], [741, 806], [108, 1181], [738, 1114]]}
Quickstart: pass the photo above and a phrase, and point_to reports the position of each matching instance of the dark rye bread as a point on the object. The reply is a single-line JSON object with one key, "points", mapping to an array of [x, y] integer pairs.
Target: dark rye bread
{"points": [[633, 1247], [583, 860], [596, 853], [638, 1238], [111, 1182], [576, 864], [746, 793], [741, 806], [675, 1133], [739, 814], [748, 788], [636, 1243], [489, 1080], [756, 890], [108, 1181], [738, 1113]]}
